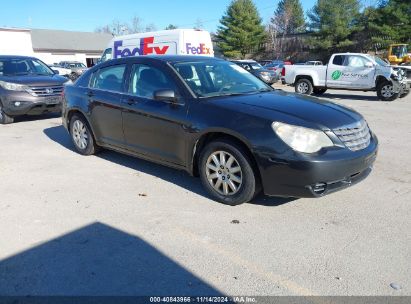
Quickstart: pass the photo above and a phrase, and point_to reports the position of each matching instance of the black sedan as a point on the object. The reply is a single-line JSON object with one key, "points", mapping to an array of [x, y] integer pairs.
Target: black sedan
{"points": [[215, 120], [258, 70]]}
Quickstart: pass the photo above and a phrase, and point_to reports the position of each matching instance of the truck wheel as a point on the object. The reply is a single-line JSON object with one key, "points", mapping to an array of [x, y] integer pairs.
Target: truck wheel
{"points": [[304, 86], [4, 118], [319, 91], [385, 91], [227, 173]]}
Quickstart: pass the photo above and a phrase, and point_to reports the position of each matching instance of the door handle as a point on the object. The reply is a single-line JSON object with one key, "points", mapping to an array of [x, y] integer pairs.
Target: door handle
{"points": [[89, 93]]}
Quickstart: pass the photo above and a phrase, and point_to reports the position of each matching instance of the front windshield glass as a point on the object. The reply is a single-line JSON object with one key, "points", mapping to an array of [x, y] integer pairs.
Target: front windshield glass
{"points": [[399, 50], [23, 66], [379, 61], [256, 66], [76, 65], [219, 78]]}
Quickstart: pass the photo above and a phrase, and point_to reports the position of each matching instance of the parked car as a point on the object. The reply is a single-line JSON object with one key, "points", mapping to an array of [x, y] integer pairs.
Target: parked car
{"points": [[258, 70], [278, 67], [76, 68], [28, 87], [167, 42], [353, 71], [211, 118], [314, 62], [264, 62], [61, 71]]}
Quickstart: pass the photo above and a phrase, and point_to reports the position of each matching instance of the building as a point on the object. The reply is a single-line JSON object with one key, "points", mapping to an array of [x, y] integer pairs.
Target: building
{"points": [[53, 46]]}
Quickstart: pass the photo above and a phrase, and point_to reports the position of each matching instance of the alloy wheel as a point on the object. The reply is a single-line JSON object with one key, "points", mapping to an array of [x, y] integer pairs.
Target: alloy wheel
{"points": [[80, 135], [302, 87], [224, 173], [387, 91]]}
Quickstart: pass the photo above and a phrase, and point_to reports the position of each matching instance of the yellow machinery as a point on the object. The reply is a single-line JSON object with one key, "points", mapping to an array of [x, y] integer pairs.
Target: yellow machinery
{"points": [[398, 54]]}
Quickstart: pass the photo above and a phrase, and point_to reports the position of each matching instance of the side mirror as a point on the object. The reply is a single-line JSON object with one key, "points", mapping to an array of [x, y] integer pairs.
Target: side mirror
{"points": [[56, 72], [369, 64], [165, 95]]}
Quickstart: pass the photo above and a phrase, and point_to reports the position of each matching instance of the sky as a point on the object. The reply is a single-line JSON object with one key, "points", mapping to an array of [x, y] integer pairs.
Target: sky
{"points": [[87, 15]]}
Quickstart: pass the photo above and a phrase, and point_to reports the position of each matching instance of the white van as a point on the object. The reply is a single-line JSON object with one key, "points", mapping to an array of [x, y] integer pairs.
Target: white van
{"points": [[168, 42]]}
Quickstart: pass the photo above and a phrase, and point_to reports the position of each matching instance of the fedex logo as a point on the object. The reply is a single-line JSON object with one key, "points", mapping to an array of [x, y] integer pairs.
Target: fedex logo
{"points": [[201, 50], [144, 49]]}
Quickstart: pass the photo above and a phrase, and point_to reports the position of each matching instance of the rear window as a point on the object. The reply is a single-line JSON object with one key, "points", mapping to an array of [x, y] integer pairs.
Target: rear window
{"points": [[109, 78], [339, 60]]}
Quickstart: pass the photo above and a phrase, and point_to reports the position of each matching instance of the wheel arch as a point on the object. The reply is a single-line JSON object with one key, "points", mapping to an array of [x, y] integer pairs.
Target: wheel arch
{"points": [[308, 77], [78, 111], [211, 136]]}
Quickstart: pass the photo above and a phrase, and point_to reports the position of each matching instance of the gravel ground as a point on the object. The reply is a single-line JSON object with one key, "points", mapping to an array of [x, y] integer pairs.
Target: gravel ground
{"points": [[115, 225]]}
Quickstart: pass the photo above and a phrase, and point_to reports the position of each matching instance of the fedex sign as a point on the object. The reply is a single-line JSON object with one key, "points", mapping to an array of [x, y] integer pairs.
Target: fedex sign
{"points": [[144, 48], [200, 50]]}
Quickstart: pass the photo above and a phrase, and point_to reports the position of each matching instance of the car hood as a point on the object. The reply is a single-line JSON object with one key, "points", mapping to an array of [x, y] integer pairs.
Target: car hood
{"points": [[279, 105], [35, 80]]}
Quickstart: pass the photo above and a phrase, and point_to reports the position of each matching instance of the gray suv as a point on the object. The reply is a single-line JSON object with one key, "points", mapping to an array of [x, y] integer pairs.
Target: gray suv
{"points": [[28, 87]]}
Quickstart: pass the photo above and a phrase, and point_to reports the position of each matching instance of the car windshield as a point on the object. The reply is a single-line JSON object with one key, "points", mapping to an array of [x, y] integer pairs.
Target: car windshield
{"points": [[219, 78], [379, 61], [23, 66], [256, 66], [76, 65]]}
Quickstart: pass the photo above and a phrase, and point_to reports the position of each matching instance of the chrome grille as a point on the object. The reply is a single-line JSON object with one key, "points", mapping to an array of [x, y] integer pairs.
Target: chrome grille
{"points": [[355, 137], [46, 91]]}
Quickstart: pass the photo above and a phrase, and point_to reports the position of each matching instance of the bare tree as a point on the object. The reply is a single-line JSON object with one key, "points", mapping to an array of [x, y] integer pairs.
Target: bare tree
{"points": [[117, 27], [199, 24], [136, 25], [151, 27]]}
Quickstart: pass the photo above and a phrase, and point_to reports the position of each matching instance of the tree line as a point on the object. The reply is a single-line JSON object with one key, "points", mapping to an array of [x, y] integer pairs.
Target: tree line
{"points": [[329, 26]]}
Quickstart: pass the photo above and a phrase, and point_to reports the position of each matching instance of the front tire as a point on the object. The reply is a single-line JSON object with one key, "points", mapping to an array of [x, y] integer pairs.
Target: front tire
{"points": [[4, 118], [82, 136], [304, 86], [226, 173], [385, 91]]}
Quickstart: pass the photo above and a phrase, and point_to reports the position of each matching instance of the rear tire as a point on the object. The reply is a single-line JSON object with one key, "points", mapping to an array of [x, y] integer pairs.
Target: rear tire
{"points": [[385, 91], [304, 86], [227, 173], [82, 136], [4, 118]]}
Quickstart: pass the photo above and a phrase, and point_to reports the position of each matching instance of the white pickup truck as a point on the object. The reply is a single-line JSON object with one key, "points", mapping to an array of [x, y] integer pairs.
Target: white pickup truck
{"points": [[350, 71]]}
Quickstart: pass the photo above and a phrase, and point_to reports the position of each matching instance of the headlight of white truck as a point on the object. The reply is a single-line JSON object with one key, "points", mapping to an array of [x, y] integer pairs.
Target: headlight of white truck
{"points": [[13, 86], [302, 139]]}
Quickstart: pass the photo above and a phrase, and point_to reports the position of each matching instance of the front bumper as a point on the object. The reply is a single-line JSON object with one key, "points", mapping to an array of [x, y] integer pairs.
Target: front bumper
{"points": [[315, 176], [22, 103]]}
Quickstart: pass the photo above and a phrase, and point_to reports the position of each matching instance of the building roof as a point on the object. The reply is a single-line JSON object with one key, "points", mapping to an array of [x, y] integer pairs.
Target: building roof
{"points": [[61, 41]]}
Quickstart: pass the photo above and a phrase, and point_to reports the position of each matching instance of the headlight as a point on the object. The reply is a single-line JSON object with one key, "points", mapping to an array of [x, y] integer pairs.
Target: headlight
{"points": [[302, 139], [13, 86]]}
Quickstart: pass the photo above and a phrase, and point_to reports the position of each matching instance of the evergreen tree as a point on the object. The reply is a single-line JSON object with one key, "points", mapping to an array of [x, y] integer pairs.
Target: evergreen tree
{"points": [[289, 17], [391, 22], [171, 27], [333, 23], [241, 29]]}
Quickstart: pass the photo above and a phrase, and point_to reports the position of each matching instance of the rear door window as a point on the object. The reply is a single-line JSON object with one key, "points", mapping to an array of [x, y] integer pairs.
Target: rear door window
{"points": [[145, 80], [338, 60], [109, 79]]}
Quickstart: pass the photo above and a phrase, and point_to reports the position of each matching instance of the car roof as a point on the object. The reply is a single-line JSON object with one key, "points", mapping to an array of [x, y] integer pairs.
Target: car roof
{"points": [[16, 57], [244, 61], [164, 58]]}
